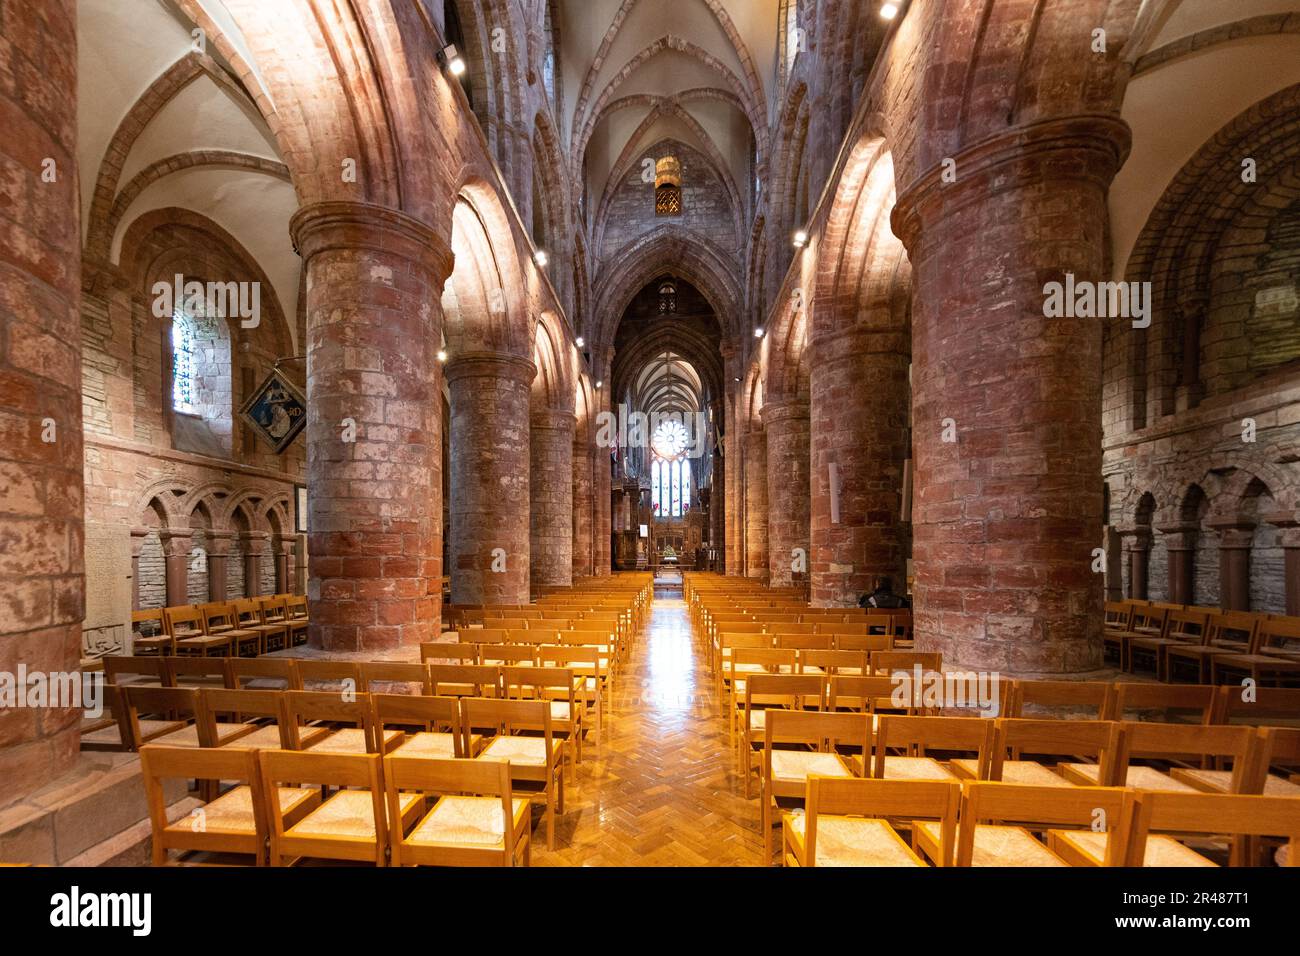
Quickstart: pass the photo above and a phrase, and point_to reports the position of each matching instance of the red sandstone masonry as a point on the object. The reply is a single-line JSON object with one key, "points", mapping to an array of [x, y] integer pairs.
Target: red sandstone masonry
{"points": [[551, 464], [490, 486], [756, 505], [374, 277], [787, 427], [42, 588]]}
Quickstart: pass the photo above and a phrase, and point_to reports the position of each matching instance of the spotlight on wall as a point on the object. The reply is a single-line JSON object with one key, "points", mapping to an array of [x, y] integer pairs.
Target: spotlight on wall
{"points": [[455, 64], [736, 379], [888, 11], [579, 341], [800, 239], [599, 383], [442, 355], [541, 258], [758, 332]]}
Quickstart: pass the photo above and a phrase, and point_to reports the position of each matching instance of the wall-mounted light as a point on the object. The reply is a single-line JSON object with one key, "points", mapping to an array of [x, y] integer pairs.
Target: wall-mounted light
{"points": [[758, 332], [579, 341], [736, 379], [800, 239], [541, 258], [455, 64], [442, 355], [888, 11], [599, 383]]}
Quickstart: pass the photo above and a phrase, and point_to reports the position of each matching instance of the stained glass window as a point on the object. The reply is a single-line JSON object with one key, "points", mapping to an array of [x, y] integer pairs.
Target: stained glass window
{"points": [[182, 362], [670, 471]]}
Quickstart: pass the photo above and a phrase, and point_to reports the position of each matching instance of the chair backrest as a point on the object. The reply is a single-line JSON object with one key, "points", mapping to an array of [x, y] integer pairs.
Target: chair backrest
{"points": [[152, 669], [281, 767], [919, 736], [305, 705], [514, 654], [861, 693], [1098, 740], [173, 703], [1197, 702], [483, 635], [832, 662], [818, 729], [1119, 615], [278, 669], [159, 763], [147, 616], [822, 642], [1213, 813], [863, 642], [1279, 632], [1152, 616], [275, 610], [235, 706], [1149, 739], [1039, 807], [1077, 699], [444, 651], [881, 799], [197, 671], [786, 690], [318, 672], [773, 657], [1233, 627], [888, 662], [296, 605], [517, 680], [1190, 626], [1258, 705], [408, 673], [216, 614], [506, 716], [477, 680]]}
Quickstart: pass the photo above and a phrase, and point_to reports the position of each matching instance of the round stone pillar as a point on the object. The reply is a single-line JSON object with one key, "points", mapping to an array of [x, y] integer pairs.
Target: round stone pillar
{"points": [[374, 427], [787, 428], [602, 479], [734, 556], [550, 444], [41, 461], [756, 504], [582, 508], [858, 442], [490, 487], [1006, 401]]}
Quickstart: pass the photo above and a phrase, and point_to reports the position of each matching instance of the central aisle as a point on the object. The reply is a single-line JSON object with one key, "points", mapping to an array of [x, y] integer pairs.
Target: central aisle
{"points": [[661, 789]]}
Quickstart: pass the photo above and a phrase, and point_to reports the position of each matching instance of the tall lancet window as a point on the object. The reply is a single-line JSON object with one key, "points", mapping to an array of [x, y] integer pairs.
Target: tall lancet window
{"points": [[182, 362], [668, 187], [670, 472]]}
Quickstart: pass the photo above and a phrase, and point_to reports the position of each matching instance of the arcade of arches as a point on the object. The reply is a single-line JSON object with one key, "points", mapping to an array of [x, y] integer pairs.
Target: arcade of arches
{"points": [[816, 238]]}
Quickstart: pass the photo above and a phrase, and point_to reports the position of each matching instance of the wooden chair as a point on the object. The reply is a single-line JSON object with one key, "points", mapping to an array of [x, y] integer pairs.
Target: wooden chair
{"points": [[1258, 705], [833, 662], [176, 705], [1029, 752], [1148, 620], [1067, 699], [508, 655], [432, 726], [536, 763], [772, 691], [864, 695], [847, 822], [558, 687], [1203, 746], [158, 641], [890, 662], [815, 736], [266, 673], [116, 731], [234, 822], [197, 671], [1188, 627], [801, 642], [344, 724], [1240, 815], [296, 617], [996, 819], [127, 671], [918, 736], [261, 712], [220, 618], [185, 624], [350, 824], [476, 822], [588, 667], [276, 623], [862, 642], [745, 661], [1274, 656], [1228, 632], [248, 617]]}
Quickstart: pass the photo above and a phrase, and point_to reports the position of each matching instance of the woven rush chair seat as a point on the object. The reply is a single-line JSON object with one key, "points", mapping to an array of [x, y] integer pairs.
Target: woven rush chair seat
{"points": [[467, 821], [1026, 772], [232, 812], [350, 740], [1140, 778], [794, 766], [853, 841], [999, 846], [1086, 848], [525, 751], [189, 736], [348, 813]]}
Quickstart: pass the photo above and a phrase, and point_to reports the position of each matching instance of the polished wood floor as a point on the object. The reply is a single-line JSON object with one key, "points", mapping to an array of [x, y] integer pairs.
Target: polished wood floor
{"points": [[663, 787]]}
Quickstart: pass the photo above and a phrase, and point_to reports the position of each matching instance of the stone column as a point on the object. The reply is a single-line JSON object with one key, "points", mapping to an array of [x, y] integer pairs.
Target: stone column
{"points": [[787, 428], [735, 466], [1289, 539], [718, 510], [490, 487], [218, 564], [41, 461], [300, 566], [859, 405], [1007, 516], [602, 490], [1235, 542], [176, 546], [550, 443], [374, 279], [138, 538], [756, 504], [1180, 544], [254, 546], [282, 548], [1137, 548], [582, 507]]}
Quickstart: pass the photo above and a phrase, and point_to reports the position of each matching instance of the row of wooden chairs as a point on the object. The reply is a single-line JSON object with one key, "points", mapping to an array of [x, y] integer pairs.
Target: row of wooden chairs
{"points": [[747, 659], [1065, 754], [1205, 643], [526, 732], [247, 626], [856, 822]]}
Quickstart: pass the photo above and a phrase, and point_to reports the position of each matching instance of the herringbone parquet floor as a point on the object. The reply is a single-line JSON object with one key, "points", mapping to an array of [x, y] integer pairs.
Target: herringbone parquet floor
{"points": [[663, 787]]}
